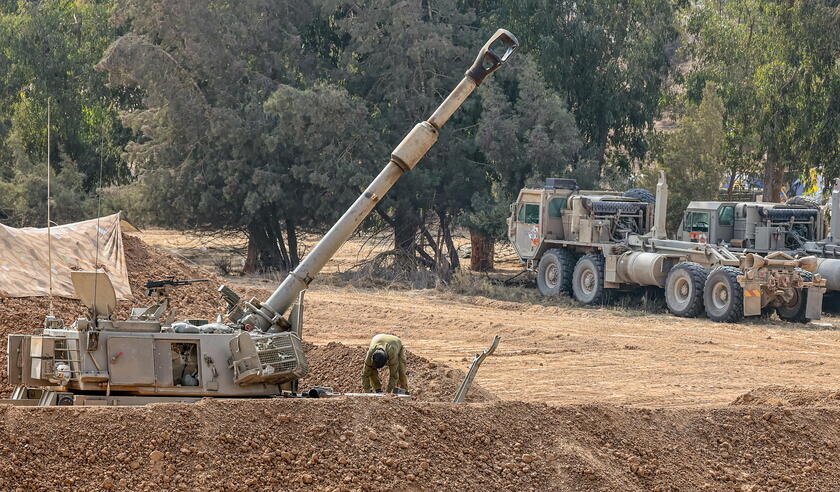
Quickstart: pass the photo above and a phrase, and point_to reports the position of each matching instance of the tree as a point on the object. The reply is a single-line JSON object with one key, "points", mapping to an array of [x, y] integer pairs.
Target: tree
{"points": [[317, 168], [234, 123], [693, 156], [525, 134], [610, 60], [47, 52], [403, 58], [775, 63]]}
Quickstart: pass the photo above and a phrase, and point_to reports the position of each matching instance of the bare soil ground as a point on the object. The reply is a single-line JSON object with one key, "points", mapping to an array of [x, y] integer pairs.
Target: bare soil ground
{"points": [[411, 445], [613, 398], [564, 355]]}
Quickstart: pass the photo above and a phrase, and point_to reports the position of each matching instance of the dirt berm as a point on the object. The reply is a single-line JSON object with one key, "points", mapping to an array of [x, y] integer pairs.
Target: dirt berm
{"points": [[362, 444]]}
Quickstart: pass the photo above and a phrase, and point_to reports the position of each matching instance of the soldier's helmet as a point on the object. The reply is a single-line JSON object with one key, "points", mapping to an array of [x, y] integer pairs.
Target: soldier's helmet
{"points": [[380, 358]]}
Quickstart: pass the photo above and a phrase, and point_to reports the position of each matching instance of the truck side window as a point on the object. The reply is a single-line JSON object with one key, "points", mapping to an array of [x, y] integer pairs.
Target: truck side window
{"points": [[697, 221], [529, 213], [555, 207], [726, 215]]}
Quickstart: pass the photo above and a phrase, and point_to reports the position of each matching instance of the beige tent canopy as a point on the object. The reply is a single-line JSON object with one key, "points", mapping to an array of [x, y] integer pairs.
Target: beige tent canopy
{"points": [[24, 257]]}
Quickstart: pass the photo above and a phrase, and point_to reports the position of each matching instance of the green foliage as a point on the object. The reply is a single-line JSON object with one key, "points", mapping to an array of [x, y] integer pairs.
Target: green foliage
{"points": [[525, 131], [775, 64], [525, 134], [692, 156], [487, 215], [23, 194], [608, 57], [236, 132], [271, 116], [48, 51]]}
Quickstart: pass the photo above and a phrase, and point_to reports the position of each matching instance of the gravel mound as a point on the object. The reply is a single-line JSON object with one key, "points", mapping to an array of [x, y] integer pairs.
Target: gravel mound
{"points": [[387, 444], [784, 396]]}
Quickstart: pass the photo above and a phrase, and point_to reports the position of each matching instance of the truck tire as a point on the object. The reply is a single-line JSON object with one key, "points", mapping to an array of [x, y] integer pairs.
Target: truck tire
{"points": [[554, 272], [640, 194], [723, 296], [803, 202], [588, 280], [794, 311], [684, 289]]}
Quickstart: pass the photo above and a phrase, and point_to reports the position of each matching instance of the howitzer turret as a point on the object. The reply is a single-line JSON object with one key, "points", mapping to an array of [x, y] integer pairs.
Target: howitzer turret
{"points": [[99, 360]]}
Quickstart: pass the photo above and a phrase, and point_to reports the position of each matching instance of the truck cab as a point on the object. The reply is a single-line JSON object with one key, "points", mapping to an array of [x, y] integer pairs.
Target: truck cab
{"points": [[542, 218], [704, 220], [538, 215], [752, 226]]}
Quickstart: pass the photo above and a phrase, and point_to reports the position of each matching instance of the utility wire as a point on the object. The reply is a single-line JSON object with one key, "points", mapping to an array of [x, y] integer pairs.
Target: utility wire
{"points": [[98, 216]]}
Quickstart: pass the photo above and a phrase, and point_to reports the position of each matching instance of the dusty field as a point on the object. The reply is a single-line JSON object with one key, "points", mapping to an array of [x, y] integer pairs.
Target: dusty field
{"points": [[208, 251], [557, 354], [574, 399], [562, 355]]}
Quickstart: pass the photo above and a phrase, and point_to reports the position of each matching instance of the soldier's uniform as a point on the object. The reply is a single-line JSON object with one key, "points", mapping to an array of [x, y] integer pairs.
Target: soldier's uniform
{"points": [[393, 348]]}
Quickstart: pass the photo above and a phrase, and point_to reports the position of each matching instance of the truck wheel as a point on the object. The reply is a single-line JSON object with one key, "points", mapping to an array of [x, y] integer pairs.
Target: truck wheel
{"points": [[554, 272], [803, 202], [723, 295], [588, 280], [640, 194], [794, 310], [684, 289]]}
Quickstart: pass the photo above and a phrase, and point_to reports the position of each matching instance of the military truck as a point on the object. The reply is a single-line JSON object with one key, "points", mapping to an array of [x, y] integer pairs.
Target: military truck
{"points": [[797, 228], [592, 243], [255, 352]]}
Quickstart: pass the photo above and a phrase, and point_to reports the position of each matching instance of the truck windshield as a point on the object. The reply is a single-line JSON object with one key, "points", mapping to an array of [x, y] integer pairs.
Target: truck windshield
{"points": [[697, 221], [529, 213]]}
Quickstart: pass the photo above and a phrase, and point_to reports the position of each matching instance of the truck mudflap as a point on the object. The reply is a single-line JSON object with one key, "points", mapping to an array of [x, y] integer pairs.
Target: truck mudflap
{"points": [[753, 298], [813, 307]]}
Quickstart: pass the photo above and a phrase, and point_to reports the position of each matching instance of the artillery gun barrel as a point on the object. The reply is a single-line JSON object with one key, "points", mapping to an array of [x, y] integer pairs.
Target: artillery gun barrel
{"points": [[404, 157]]}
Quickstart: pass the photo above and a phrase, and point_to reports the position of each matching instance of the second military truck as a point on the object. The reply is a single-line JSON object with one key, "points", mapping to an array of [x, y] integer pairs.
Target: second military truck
{"points": [[797, 228], [589, 244]]}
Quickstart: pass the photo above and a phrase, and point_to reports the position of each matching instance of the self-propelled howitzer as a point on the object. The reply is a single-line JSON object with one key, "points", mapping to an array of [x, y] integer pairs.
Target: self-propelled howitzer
{"points": [[256, 352]]}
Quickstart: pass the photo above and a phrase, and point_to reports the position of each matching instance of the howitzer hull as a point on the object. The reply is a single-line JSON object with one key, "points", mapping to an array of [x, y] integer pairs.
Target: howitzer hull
{"points": [[154, 364]]}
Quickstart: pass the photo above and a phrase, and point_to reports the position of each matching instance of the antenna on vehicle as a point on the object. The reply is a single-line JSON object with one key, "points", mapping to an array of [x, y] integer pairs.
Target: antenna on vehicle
{"points": [[49, 229], [98, 215]]}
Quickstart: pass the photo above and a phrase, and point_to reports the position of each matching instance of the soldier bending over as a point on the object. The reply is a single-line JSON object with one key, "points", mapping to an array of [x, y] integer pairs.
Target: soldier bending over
{"points": [[384, 349]]}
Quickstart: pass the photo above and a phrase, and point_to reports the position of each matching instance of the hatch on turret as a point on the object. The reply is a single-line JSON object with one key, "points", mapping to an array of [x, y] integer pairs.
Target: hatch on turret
{"points": [[95, 291]]}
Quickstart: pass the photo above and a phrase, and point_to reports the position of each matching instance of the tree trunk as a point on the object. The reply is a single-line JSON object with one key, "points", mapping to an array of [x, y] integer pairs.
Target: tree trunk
{"points": [[773, 175], [454, 261], [482, 253], [406, 223], [731, 184], [291, 237], [264, 253]]}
